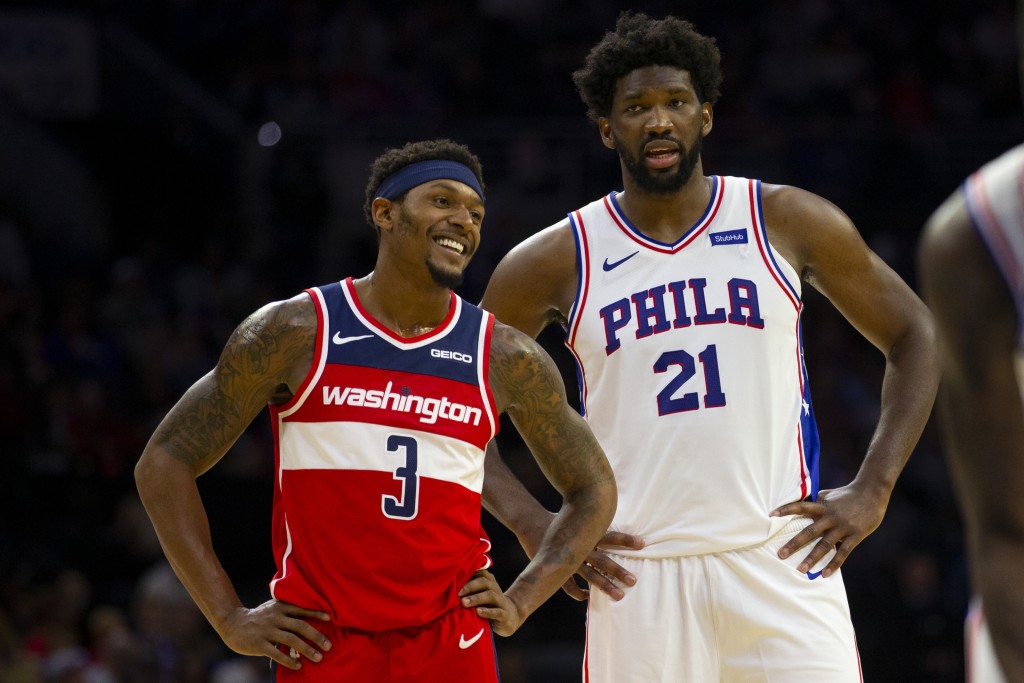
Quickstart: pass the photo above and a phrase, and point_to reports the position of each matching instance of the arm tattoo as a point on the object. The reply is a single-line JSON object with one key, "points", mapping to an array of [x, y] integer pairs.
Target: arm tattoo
{"points": [[532, 392], [271, 348]]}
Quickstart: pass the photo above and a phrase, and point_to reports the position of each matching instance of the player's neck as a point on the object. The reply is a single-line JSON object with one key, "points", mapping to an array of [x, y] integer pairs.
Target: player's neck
{"points": [[404, 306], [666, 217]]}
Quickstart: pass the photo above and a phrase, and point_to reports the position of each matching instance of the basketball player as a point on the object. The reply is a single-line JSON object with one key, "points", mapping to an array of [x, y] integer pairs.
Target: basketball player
{"points": [[972, 269], [681, 301], [384, 391]]}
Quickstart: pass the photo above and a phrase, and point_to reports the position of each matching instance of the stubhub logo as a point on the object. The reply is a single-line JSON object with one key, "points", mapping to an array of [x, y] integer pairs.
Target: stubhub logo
{"points": [[729, 237]]}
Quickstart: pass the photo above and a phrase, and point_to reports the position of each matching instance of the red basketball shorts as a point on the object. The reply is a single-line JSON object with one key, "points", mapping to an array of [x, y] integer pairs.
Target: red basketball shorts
{"points": [[458, 647]]}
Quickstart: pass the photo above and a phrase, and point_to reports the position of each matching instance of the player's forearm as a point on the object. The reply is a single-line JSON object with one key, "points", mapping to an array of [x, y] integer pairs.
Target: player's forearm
{"points": [[172, 501], [908, 394], [505, 497], [573, 533]]}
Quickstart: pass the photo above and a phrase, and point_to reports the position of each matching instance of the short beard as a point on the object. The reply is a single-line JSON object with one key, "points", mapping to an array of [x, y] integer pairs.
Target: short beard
{"points": [[440, 277], [663, 183], [451, 280]]}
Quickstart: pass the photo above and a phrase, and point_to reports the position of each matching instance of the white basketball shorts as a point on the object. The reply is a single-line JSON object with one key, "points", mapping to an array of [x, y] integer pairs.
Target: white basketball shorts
{"points": [[742, 616]]}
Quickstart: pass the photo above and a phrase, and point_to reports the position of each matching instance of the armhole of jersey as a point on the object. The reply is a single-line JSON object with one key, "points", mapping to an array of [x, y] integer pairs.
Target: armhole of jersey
{"points": [[767, 252], [575, 313], [579, 235], [989, 230], [323, 326], [484, 368]]}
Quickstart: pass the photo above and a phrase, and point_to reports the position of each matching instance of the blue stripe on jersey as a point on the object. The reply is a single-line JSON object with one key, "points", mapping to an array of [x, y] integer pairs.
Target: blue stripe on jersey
{"points": [[683, 238], [581, 274], [450, 356], [764, 233], [808, 425]]}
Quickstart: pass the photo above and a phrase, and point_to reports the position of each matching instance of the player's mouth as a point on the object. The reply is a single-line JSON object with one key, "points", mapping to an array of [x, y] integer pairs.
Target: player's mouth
{"points": [[451, 244], [661, 153]]}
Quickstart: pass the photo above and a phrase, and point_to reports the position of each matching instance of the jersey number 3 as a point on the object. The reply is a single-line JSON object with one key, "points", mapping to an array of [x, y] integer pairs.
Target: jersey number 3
{"points": [[407, 504], [668, 402]]}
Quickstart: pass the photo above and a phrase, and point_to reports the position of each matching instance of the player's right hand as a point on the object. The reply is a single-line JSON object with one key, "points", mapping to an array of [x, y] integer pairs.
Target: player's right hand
{"points": [[603, 573], [277, 630]]}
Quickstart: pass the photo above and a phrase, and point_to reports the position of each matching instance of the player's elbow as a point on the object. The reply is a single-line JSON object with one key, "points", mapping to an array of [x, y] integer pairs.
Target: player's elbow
{"points": [[154, 472], [599, 496], [918, 341]]}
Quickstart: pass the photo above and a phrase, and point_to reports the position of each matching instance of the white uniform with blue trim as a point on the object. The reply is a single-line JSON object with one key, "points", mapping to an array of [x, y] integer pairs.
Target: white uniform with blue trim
{"points": [[994, 195], [995, 202], [691, 372]]}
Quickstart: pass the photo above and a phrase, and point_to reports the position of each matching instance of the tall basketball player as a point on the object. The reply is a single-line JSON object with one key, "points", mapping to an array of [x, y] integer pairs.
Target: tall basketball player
{"points": [[384, 391], [681, 297], [971, 259], [972, 272]]}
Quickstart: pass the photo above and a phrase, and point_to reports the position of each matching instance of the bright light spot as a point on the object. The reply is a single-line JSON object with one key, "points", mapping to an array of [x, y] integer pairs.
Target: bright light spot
{"points": [[270, 134]]}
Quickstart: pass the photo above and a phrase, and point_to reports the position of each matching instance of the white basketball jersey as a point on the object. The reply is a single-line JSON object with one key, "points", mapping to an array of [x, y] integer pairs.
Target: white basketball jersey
{"points": [[995, 202], [691, 373]]}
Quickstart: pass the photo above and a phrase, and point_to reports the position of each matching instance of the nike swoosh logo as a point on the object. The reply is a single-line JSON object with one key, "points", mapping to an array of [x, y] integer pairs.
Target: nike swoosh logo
{"points": [[813, 575], [610, 266], [463, 643], [338, 339]]}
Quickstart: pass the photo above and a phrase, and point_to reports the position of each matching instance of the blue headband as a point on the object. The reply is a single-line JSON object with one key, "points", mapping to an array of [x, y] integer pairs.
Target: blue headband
{"points": [[408, 177]]}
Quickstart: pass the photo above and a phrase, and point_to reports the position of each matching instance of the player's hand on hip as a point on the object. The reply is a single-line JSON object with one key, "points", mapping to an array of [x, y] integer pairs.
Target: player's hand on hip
{"points": [[483, 593], [264, 630], [602, 572], [843, 517]]}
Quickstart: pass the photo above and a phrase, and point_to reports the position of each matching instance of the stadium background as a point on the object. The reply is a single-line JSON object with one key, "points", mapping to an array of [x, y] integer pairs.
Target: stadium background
{"points": [[166, 167]]}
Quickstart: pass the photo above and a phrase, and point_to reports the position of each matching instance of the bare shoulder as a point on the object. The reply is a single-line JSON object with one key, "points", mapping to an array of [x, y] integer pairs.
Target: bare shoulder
{"points": [[521, 371], [535, 283], [265, 357], [273, 346], [811, 232], [947, 235]]}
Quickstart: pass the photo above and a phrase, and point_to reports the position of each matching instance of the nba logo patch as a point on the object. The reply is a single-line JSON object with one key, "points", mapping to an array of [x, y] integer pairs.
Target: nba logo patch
{"points": [[729, 237]]}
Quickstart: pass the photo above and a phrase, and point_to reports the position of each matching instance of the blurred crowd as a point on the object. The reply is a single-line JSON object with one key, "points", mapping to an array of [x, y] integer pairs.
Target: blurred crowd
{"points": [[189, 160]]}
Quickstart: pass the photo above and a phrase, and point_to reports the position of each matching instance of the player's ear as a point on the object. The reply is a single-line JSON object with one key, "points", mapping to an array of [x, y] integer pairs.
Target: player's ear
{"points": [[383, 212], [707, 118], [607, 137]]}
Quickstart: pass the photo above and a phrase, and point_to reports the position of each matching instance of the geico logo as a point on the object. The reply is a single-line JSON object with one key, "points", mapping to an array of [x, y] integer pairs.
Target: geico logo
{"points": [[451, 355]]}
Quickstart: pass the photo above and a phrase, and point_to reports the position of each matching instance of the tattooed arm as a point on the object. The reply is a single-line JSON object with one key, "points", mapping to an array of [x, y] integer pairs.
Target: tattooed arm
{"points": [[529, 388], [265, 359]]}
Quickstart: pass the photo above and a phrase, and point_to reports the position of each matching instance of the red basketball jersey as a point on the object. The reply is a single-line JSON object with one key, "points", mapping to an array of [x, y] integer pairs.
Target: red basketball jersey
{"points": [[380, 466]]}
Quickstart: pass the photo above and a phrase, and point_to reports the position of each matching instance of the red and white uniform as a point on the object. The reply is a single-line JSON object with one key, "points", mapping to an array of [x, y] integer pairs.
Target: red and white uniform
{"points": [[379, 472]]}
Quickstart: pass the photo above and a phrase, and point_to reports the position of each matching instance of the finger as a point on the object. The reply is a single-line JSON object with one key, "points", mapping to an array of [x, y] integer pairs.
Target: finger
{"points": [[805, 536], [298, 646], [575, 591], [481, 580], [843, 550], [493, 613], [822, 548], [598, 580], [617, 539], [282, 658], [306, 631], [610, 568], [488, 596], [801, 508], [302, 612]]}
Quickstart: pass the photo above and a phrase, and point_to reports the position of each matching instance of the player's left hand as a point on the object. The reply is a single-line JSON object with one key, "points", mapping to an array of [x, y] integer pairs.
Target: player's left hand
{"points": [[483, 592], [843, 517]]}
